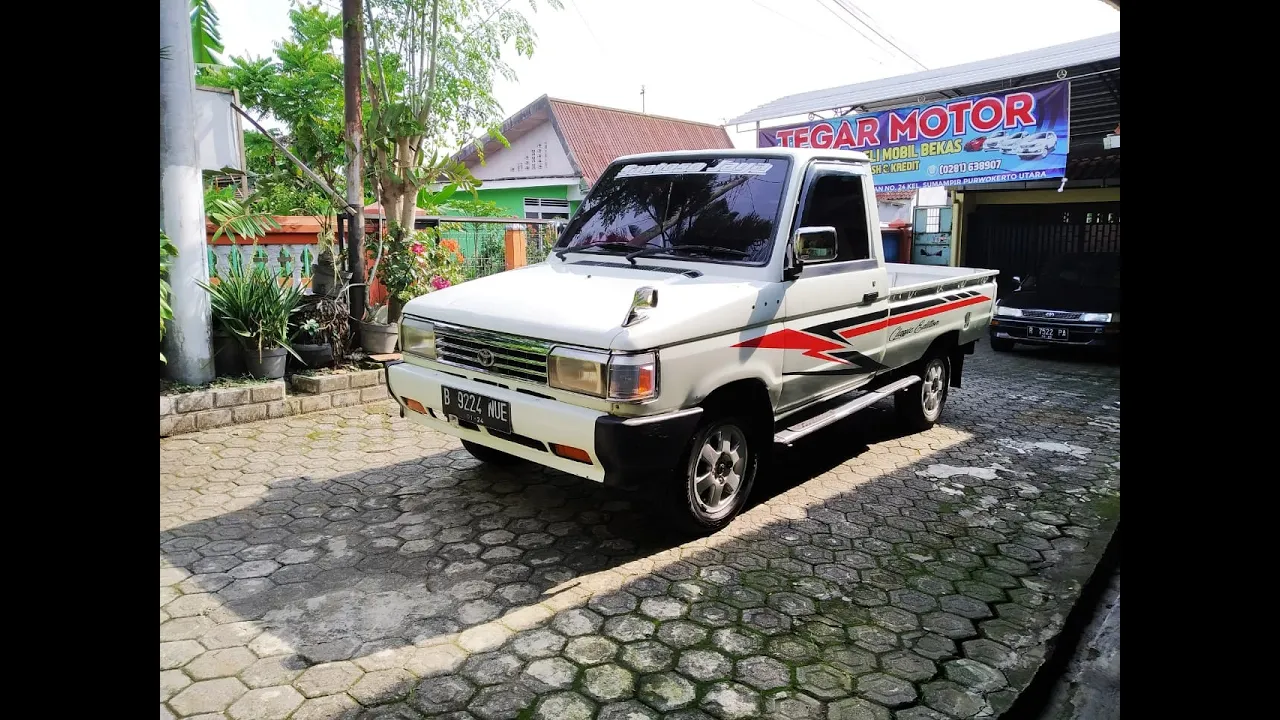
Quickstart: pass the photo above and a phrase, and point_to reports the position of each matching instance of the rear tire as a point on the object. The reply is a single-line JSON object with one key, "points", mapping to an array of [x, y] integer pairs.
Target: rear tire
{"points": [[714, 479], [1001, 344], [489, 455], [920, 405]]}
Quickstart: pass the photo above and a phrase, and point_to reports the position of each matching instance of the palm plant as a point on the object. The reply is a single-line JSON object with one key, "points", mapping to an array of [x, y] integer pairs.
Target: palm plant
{"points": [[254, 305]]}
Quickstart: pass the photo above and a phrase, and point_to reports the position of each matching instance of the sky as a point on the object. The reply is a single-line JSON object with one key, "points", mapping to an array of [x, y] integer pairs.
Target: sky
{"points": [[711, 60]]}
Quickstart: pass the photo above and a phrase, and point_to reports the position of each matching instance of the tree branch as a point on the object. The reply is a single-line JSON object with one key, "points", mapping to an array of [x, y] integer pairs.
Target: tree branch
{"points": [[431, 80]]}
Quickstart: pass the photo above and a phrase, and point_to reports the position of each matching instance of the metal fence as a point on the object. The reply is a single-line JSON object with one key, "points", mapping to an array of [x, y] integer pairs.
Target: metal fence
{"points": [[483, 241]]}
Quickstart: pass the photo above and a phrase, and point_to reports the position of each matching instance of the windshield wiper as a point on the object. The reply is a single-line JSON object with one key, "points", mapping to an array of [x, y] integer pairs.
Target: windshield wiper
{"points": [[691, 249], [625, 247]]}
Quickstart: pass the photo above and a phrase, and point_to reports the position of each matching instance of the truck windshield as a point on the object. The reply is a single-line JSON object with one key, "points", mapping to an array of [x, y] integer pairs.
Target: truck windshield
{"points": [[727, 206]]}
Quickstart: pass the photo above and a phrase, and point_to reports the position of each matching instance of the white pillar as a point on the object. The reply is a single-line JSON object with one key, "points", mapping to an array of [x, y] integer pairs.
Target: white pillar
{"points": [[187, 343]]}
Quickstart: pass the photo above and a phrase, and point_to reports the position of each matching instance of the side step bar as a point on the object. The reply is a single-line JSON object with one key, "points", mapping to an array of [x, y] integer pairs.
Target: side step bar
{"points": [[813, 424]]}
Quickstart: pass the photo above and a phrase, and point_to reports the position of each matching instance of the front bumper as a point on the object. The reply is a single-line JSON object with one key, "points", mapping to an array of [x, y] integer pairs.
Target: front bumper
{"points": [[624, 451], [1078, 334]]}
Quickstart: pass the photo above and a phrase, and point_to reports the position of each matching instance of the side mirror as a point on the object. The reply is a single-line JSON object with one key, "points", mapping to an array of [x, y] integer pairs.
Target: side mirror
{"points": [[810, 244], [1017, 283]]}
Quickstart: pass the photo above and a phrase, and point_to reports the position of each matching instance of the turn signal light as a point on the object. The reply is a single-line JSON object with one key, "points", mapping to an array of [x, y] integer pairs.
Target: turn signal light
{"points": [[414, 405], [571, 453]]}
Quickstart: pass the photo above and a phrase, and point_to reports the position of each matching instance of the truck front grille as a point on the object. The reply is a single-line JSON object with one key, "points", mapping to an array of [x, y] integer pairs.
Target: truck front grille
{"points": [[491, 352]]}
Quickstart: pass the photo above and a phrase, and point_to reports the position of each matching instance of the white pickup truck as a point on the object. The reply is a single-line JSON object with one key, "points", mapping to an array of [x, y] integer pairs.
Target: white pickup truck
{"points": [[698, 308]]}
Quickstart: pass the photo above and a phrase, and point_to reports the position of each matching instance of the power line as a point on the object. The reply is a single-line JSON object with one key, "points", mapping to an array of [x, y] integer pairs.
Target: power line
{"points": [[852, 27], [866, 20]]}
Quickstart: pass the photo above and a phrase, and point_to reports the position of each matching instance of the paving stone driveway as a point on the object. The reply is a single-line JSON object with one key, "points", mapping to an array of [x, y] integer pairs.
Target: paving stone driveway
{"points": [[350, 564]]}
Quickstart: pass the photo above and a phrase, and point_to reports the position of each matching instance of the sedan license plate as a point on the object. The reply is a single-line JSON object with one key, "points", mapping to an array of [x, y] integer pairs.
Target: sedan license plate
{"points": [[1048, 333], [476, 409]]}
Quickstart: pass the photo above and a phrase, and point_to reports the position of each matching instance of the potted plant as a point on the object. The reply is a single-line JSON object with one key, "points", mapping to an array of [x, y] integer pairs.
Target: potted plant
{"points": [[312, 345], [257, 309], [236, 220]]}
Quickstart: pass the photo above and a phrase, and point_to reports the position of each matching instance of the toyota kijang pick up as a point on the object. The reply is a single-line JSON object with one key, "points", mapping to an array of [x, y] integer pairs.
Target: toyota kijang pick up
{"points": [[697, 309]]}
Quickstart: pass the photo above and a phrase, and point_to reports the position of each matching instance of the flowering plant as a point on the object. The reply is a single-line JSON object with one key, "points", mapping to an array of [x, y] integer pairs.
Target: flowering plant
{"points": [[439, 263]]}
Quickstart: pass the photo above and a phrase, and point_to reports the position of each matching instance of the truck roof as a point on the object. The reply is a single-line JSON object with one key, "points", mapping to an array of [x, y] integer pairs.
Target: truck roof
{"points": [[798, 154]]}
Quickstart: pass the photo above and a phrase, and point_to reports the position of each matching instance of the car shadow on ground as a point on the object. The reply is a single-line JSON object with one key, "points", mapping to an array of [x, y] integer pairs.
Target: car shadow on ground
{"points": [[389, 566]]}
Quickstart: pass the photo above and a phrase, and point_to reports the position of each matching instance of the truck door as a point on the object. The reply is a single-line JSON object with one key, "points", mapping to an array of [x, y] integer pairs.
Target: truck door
{"points": [[836, 308]]}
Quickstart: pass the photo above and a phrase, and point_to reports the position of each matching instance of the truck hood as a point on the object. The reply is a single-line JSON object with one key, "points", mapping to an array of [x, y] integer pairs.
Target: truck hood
{"points": [[586, 305]]}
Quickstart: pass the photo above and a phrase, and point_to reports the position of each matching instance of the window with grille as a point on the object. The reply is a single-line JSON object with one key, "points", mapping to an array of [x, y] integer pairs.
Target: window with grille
{"points": [[546, 209]]}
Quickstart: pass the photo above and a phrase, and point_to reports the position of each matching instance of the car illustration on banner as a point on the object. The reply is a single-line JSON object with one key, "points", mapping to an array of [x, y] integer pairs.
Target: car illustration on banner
{"points": [[1036, 146], [975, 144], [1009, 143], [994, 139]]}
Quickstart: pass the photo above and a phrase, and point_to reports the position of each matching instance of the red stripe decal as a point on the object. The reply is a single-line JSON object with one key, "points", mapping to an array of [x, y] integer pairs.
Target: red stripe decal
{"points": [[940, 309]]}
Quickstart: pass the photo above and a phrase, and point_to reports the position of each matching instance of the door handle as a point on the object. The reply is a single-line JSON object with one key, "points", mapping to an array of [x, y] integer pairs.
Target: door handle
{"points": [[870, 297]]}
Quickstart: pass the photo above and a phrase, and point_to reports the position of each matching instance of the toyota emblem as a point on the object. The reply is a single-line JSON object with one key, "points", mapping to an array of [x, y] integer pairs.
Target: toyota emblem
{"points": [[485, 356]]}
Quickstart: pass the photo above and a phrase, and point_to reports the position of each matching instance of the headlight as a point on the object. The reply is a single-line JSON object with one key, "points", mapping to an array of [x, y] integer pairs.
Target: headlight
{"points": [[624, 378], [1098, 317], [418, 337], [577, 370], [1008, 311]]}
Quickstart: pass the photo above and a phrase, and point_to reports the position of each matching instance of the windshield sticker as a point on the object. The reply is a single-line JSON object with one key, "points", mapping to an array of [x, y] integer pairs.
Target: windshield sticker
{"points": [[724, 167]]}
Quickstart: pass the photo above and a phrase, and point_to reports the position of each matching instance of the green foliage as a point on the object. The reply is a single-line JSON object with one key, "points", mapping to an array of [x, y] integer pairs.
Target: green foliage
{"points": [[301, 86], [233, 218], [167, 253], [206, 41], [255, 305]]}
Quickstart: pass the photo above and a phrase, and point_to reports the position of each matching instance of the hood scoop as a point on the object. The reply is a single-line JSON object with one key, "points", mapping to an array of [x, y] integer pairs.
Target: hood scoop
{"points": [[628, 266]]}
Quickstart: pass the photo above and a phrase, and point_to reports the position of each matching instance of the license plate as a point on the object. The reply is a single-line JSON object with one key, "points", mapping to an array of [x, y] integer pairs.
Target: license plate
{"points": [[476, 409], [1048, 333]]}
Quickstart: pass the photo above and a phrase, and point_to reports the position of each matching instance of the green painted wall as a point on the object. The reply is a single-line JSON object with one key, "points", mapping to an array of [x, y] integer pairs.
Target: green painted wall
{"points": [[512, 199]]}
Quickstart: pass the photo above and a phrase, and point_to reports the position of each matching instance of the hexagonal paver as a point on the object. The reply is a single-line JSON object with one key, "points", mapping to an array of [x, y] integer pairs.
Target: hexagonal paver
{"points": [[628, 710], [491, 668], [564, 706], [220, 663], [327, 679], [794, 650], [856, 709], [578, 621], [713, 614], [851, 660], [608, 682], [792, 705], [666, 691], [329, 707], [629, 628], [681, 634], [382, 686], [704, 665], [791, 604], [647, 656], [615, 603], [948, 625], [171, 682], [208, 696], [873, 639], [908, 666], [553, 672], [591, 650], [500, 702], [824, 681], [538, 643], [975, 675], [273, 703], [730, 700], [951, 699], [762, 673], [886, 690], [179, 653], [766, 620]]}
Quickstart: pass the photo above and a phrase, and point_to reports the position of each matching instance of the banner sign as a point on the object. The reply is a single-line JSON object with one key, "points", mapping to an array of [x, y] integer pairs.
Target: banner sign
{"points": [[997, 137]]}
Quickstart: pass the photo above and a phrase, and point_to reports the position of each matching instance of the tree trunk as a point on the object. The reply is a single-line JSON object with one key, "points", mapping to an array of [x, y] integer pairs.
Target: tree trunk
{"points": [[352, 42]]}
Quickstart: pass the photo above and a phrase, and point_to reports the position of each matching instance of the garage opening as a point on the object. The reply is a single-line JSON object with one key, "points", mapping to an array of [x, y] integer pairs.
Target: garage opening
{"points": [[1018, 239]]}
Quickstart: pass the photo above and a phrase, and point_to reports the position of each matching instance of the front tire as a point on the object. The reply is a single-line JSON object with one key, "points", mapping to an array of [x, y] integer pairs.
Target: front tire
{"points": [[920, 405], [712, 484], [489, 455], [1001, 344]]}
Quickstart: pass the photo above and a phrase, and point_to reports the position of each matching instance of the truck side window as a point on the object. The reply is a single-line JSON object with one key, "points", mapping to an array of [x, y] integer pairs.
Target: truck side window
{"points": [[836, 200]]}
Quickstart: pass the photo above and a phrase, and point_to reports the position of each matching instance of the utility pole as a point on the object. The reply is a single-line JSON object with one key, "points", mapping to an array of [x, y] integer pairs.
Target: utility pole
{"points": [[187, 342], [352, 42], [642, 111]]}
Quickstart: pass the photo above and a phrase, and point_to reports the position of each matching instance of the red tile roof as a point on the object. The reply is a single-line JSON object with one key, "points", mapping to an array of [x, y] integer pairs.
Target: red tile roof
{"points": [[895, 195], [596, 136]]}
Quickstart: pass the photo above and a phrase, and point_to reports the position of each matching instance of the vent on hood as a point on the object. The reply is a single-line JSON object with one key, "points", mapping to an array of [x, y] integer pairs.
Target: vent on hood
{"points": [[627, 266]]}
